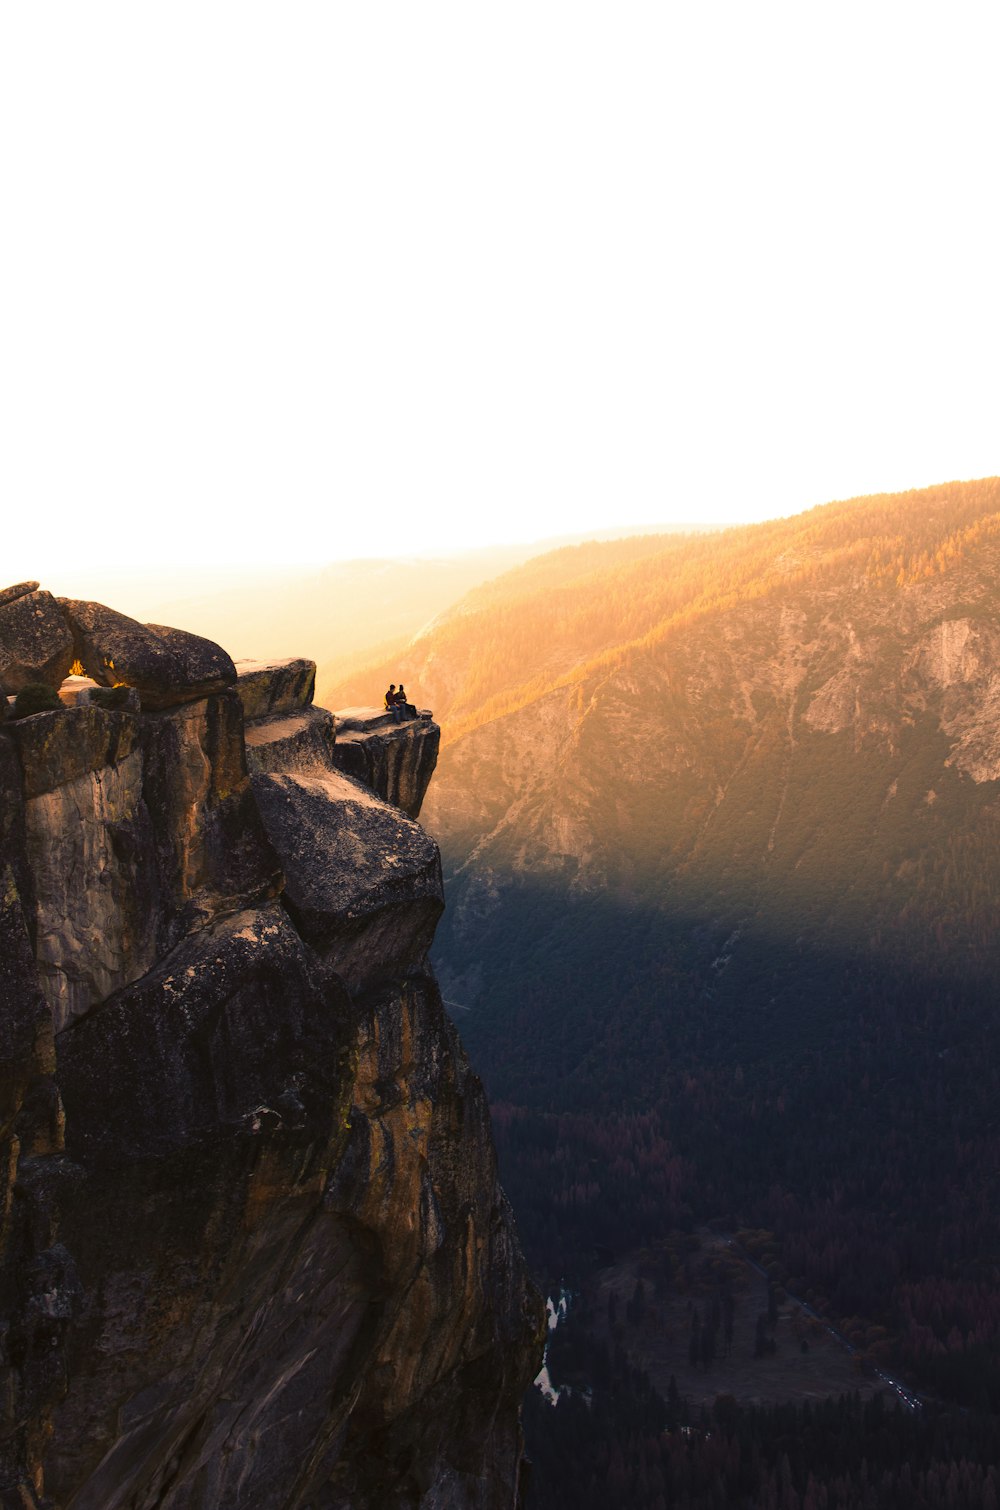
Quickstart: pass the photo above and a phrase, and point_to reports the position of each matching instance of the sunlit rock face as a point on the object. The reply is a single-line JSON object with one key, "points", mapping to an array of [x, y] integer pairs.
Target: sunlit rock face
{"points": [[254, 1249], [370, 748]]}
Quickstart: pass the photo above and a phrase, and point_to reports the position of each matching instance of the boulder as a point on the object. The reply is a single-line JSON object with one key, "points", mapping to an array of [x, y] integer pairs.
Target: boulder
{"points": [[168, 666], [232, 1020], [291, 741], [19, 590], [269, 687], [363, 882], [35, 641], [206, 667]]}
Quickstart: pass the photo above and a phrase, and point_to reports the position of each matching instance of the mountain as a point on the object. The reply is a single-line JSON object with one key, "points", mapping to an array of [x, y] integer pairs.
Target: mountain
{"points": [[253, 1250], [719, 820]]}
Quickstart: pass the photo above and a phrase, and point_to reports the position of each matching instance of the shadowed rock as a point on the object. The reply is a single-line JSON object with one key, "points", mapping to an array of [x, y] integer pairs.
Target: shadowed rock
{"points": [[323, 1303], [273, 1266], [57, 747], [139, 829], [19, 590], [168, 666], [212, 853], [222, 1027], [35, 1320], [35, 641], [363, 882]]}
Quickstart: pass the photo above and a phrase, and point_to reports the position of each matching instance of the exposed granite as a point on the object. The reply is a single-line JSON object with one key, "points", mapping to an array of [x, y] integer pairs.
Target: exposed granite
{"points": [[57, 747], [288, 741], [363, 882], [272, 1269], [268, 687], [35, 641], [19, 590], [371, 747], [168, 666]]}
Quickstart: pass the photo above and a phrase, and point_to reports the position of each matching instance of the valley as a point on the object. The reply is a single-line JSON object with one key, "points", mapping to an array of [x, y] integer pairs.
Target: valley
{"points": [[720, 829]]}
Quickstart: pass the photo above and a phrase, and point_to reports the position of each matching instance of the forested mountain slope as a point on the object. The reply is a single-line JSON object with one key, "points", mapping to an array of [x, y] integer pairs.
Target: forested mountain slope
{"points": [[720, 824]]}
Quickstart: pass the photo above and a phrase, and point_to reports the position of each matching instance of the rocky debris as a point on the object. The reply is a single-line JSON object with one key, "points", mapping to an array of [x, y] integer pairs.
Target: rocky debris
{"points": [[168, 666], [291, 740], [363, 882], [271, 687], [35, 641], [371, 749], [19, 590]]}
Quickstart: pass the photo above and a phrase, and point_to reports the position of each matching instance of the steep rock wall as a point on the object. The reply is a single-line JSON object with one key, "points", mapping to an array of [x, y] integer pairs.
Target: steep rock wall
{"points": [[254, 1251]]}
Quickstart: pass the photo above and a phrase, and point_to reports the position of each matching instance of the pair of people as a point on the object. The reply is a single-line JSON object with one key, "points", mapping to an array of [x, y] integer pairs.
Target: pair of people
{"points": [[395, 702]]}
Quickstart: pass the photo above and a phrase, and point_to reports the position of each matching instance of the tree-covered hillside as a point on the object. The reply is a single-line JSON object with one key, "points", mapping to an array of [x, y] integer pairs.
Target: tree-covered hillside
{"points": [[720, 820]]}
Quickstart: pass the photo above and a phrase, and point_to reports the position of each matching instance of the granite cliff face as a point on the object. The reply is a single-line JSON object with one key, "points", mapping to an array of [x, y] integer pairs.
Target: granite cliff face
{"points": [[254, 1250]]}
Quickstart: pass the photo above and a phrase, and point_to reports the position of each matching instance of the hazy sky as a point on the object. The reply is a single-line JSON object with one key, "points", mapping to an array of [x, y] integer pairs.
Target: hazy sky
{"points": [[290, 282]]}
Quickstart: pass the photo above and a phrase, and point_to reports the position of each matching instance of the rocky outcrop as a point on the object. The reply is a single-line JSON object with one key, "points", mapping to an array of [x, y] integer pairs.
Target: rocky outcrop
{"points": [[19, 590], [254, 1250], [305, 738], [35, 641], [271, 687], [363, 882], [168, 666], [370, 749]]}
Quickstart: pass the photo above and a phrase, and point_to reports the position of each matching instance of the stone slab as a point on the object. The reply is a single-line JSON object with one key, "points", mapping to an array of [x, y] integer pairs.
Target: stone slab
{"points": [[363, 882], [269, 687], [291, 741]]}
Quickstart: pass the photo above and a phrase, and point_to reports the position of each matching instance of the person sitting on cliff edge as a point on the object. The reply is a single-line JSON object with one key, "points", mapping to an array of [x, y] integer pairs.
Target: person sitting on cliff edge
{"points": [[401, 700], [391, 703]]}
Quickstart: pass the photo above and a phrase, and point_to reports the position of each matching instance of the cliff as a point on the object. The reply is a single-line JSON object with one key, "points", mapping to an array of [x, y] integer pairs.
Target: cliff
{"points": [[254, 1252]]}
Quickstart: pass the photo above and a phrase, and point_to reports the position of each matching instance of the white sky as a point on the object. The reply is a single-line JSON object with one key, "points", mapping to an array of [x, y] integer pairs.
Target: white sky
{"points": [[319, 280]]}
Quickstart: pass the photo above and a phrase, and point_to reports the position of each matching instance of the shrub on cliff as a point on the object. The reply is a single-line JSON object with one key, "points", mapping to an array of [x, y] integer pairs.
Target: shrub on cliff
{"points": [[111, 697], [36, 697]]}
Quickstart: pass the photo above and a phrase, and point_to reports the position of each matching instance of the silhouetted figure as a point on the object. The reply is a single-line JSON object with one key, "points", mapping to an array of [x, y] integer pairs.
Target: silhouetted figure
{"points": [[401, 701], [392, 702]]}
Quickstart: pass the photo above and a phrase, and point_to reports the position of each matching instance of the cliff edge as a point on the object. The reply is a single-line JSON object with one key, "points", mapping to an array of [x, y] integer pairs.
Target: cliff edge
{"points": [[254, 1251]]}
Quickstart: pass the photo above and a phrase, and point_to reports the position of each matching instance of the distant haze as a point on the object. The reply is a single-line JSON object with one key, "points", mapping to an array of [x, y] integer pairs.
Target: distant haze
{"points": [[344, 615], [310, 284]]}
